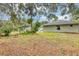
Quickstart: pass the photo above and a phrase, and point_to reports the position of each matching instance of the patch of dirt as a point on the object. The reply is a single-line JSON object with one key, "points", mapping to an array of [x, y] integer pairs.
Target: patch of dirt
{"points": [[35, 47]]}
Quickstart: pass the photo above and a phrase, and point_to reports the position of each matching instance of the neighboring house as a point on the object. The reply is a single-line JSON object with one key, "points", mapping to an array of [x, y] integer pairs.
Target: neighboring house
{"points": [[61, 26], [26, 27]]}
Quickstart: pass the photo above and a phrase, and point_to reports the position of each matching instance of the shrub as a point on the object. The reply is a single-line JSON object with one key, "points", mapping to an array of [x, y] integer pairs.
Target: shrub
{"points": [[5, 30], [35, 28]]}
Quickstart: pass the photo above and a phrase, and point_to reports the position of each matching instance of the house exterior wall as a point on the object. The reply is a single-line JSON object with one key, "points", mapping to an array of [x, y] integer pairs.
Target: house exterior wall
{"points": [[63, 28]]}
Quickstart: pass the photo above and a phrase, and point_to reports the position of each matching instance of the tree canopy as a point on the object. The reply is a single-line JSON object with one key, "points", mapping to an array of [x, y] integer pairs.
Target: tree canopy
{"points": [[17, 12]]}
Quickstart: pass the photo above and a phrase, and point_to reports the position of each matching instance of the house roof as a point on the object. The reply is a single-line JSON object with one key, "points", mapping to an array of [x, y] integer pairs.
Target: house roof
{"points": [[61, 23]]}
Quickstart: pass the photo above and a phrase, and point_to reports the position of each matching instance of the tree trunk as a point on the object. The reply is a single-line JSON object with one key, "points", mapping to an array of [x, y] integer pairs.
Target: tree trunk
{"points": [[31, 26], [31, 23]]}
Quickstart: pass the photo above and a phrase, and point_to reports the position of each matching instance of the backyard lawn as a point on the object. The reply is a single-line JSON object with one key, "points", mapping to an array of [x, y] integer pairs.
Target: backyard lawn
{"points": [[40, 44]]}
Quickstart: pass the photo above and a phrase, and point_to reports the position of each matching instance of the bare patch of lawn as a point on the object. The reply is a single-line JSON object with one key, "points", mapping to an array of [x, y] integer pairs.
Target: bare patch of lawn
{"points": [[40, 44]]}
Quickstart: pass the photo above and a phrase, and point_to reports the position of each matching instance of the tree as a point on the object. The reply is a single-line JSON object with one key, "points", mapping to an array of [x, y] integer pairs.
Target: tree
{"points": [[13, 10], [33, 10], [36, 26], [30, 21], [70, 8], [29, 10]]}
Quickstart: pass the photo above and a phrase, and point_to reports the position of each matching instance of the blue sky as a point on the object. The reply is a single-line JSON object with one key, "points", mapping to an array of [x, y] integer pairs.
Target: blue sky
{"points": [[42, 18], [4, 16]]}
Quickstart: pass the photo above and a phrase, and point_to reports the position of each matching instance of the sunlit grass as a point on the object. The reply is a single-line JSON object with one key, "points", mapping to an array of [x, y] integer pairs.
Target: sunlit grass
{"points": [[62, 38]]}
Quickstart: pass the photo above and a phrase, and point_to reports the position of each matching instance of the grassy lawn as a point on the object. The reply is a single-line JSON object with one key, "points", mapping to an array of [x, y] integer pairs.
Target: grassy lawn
{"points": [[40, 44]]}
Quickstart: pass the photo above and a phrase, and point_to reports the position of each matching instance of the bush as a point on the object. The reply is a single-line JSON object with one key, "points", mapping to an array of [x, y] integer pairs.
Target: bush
{"points": [[5, 31], [36, 27]]}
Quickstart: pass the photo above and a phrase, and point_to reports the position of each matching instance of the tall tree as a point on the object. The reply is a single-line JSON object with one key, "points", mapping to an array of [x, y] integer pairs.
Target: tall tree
{"points": [[14, 10], [46, 9], [70, 8]]}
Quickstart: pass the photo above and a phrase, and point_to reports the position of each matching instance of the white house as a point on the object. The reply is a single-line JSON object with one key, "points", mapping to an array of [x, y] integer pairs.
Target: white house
{"points": [[61, 26]]}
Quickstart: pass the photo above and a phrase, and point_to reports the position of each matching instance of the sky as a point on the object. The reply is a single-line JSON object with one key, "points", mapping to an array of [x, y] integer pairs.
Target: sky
{"points": [[4, 16], [42, 18]]}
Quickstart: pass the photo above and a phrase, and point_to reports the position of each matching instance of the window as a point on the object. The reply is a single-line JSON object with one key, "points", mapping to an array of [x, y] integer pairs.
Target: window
{"points": [[71, 25], [58, 27]]}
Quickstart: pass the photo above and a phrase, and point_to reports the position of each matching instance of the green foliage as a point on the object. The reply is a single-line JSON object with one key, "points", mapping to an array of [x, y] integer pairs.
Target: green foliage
{"points": [[21, 6], [29, 21], [50, 16], [6, 29], [35, 28], [65, 17], [27, 33], [55, 18]]}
